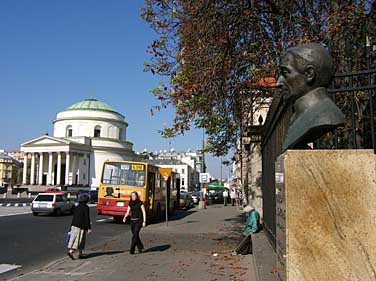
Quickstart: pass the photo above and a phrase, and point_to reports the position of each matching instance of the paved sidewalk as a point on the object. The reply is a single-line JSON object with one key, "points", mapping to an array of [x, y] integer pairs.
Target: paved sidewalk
{"points": [[265, 257], [196, 246]]}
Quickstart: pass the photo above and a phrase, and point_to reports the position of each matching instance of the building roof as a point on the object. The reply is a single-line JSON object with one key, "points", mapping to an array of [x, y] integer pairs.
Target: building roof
{"points": [[91, 104], [5, 156], [166, 162]]}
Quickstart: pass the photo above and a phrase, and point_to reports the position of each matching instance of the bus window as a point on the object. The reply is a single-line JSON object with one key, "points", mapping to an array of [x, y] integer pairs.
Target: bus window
{"points": [[118, 173]]}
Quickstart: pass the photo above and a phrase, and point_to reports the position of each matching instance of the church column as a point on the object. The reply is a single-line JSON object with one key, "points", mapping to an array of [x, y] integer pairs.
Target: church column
{"points": [[40, 177], [49, 176], [58, 172], [67, 164], [74, 169], [32, 169], [24, 172], [88, 169]]}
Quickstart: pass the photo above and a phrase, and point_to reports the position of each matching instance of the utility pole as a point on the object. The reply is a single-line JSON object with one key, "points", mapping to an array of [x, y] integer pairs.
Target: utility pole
{"points": [[221, 168]]}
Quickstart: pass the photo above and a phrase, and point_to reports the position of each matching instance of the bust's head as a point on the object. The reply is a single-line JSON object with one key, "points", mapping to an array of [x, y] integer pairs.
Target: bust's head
{"points": [[304, 68]]}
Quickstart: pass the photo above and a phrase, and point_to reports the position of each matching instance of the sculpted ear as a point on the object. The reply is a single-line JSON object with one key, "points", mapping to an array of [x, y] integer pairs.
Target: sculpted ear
{"points": [[310, 74]]}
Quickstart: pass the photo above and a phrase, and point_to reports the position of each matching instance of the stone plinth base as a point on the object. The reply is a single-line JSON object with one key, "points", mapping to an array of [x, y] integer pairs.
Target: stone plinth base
{"points": [[326, 215]]}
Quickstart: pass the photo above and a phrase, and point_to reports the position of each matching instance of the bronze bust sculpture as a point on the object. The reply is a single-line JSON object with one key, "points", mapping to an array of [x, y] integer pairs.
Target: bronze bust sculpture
{"points": [[306, 72]]}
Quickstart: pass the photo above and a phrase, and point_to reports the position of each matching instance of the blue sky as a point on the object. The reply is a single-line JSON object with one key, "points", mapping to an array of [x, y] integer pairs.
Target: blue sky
{"points": [[55, 53]]}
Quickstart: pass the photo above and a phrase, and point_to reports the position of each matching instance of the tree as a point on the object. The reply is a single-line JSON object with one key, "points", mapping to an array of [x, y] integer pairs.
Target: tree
{"points": [[215, 53]]}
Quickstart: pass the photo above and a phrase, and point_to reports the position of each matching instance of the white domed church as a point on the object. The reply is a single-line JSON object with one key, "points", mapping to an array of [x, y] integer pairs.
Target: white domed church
{"points": [[84, 135]]}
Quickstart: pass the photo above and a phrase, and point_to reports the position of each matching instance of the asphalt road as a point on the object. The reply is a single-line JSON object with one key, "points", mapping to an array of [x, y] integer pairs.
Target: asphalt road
{"points": [[32, 242]]}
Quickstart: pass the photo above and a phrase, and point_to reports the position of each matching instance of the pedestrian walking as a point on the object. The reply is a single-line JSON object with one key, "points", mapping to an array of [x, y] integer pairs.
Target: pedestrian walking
{"points": [[233, 196], [239, 199], [252, 226], [79, 227], [225, 196], [138, 220]]}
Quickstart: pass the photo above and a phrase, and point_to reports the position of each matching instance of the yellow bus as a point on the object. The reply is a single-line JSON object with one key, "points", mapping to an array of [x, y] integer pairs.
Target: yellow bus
{"points": [[120, 178]]}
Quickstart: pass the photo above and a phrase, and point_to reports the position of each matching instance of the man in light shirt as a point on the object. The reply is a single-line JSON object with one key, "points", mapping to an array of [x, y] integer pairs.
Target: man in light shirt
{"points": [[225, 196]]}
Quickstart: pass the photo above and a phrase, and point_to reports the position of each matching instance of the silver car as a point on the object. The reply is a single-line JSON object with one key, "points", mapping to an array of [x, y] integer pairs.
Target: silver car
{"points": [[52, 203]]}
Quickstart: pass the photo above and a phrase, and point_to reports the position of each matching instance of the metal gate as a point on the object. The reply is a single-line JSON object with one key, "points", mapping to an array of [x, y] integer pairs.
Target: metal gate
{"points": [[353, 90]]}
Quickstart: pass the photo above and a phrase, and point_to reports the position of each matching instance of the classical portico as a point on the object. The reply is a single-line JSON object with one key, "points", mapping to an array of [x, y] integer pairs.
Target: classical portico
{"points": [[85, 134], [56, 162]]}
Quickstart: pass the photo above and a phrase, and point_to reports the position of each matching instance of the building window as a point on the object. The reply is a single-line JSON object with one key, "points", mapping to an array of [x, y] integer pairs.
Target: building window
{"points": [[182, 181], [69, 132], [121, 134], [97, 132], [183, 171]]}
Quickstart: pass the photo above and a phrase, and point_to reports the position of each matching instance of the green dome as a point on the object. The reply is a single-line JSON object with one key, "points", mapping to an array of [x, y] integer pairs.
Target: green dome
{"points": [[91, 104]]}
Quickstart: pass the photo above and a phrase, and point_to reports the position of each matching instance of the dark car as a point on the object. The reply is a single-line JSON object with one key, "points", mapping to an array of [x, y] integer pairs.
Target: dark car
{"points": [[214, 197], [186, 200], [93, 195]]}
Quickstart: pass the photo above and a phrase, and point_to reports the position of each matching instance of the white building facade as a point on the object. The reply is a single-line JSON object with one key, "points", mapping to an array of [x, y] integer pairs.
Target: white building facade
{"points": [[186, 173], [85, 134], [193, 159]]}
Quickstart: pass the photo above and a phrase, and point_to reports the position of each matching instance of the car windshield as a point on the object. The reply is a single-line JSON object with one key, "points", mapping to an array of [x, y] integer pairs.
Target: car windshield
{"points": [[45, 197], [124, 174]]}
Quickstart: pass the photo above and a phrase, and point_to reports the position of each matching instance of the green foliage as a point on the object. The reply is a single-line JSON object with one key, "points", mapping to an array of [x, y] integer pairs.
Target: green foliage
{"points": [[215, 54]]}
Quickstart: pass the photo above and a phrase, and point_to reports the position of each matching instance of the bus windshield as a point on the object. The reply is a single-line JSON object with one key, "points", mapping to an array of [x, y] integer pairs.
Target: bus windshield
{"points": [[119, 173]]}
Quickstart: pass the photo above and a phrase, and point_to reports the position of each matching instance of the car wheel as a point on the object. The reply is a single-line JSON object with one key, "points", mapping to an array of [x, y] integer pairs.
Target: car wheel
{"points": [[58, 212], [35, 214]]}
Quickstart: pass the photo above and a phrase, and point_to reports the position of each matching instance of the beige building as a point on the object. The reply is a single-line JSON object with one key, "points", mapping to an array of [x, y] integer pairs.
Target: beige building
{"points": [[248, 166], [10, 171]]}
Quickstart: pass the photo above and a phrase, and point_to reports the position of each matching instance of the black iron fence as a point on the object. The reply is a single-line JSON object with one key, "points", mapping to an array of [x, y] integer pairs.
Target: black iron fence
{"points": [[353, 90]]}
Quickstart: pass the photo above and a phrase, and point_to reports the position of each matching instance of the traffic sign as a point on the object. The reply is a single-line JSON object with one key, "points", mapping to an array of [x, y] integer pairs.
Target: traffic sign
{"points": [[204, 178], [165, 172]]}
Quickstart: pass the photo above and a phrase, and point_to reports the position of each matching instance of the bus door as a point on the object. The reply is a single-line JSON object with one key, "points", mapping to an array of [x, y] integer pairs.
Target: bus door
{"points": [[151, 191]]}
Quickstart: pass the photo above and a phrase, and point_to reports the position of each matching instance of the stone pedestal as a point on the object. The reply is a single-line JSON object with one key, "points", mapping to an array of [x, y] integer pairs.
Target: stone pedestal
{"points": [[326, 215]]}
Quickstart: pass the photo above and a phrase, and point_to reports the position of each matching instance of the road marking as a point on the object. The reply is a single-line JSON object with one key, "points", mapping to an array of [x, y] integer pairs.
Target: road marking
{"points": [[8, 215], [16, 205], [8, 205], [8, 267], [24, 204], [103, 220]]}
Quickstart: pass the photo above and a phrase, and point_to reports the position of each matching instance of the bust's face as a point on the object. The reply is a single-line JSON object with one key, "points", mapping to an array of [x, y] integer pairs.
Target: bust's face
{"points": [[291, 82]]}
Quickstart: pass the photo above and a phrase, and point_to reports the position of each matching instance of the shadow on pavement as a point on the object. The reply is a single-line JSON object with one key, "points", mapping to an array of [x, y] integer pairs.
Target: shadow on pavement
{"points": [[160, 248], [179, 214], [98, 254]]}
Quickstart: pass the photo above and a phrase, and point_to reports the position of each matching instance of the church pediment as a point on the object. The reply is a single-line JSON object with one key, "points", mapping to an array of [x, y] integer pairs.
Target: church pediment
{"points": [[46, 140]]}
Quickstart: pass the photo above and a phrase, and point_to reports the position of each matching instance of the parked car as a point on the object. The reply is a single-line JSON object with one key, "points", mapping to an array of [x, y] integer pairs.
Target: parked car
{"points": [[186, 200], [196, 197], [93, 195], [52, 203], [53, 190], [214, 197]]}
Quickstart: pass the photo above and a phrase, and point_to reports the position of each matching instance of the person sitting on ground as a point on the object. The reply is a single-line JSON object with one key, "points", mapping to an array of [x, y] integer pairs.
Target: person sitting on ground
{"points": [[252, 226]]}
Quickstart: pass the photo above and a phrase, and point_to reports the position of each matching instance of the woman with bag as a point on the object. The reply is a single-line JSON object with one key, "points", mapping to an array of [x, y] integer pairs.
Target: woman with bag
{"points": [[79, 227], [138, 220]]}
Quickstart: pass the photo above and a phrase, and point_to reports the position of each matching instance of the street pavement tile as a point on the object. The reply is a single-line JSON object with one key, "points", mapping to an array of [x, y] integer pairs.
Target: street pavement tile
{"points": [[200, 250]]}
